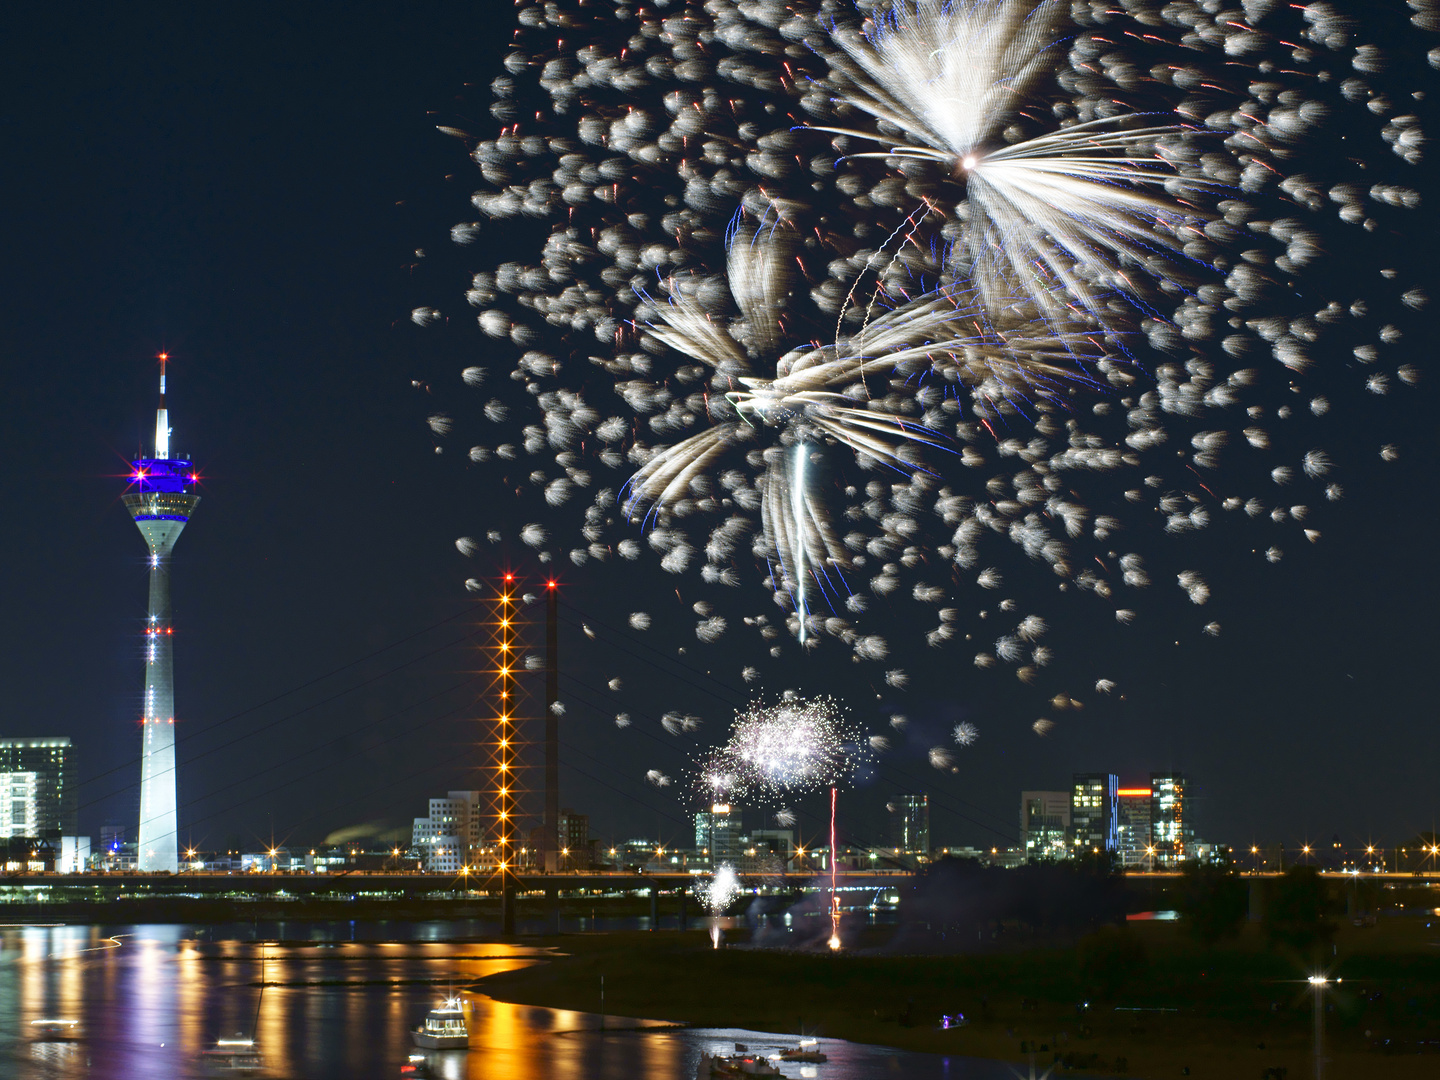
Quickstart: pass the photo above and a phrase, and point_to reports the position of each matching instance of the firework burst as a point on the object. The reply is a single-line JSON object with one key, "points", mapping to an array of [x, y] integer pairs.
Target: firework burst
{"points": [[1072, 206], [782, 749], [906, 378]]}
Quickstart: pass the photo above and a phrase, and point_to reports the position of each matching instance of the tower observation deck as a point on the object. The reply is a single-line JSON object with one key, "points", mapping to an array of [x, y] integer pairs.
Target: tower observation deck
{"points": [[161, 499]]}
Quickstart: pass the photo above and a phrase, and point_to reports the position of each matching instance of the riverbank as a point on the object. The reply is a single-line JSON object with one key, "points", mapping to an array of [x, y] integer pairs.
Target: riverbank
{"points": [[1225, 1012]]}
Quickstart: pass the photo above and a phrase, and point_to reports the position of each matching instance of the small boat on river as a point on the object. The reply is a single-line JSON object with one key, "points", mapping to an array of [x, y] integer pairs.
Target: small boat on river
{"points": [[808, 1051], [444, 1028], [724, 1066], [52, 1029], [233, 1057]]}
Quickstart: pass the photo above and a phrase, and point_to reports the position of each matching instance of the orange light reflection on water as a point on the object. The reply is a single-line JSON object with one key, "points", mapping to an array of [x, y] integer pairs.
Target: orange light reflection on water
{"points": [[151, 999]]}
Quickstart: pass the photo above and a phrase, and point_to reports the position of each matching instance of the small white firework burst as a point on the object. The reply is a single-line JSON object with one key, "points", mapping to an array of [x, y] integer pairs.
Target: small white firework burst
{"points": [[720, 891], [795, 745]]}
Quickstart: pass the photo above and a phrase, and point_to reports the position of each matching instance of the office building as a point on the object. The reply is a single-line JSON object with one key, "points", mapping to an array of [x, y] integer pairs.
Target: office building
{"points": [[449, 838], [766, 851], [574, 840], [1132, 829], [717, 835], [910, 824], [17, 804], [42, 769], [74, 855], [1094, 813], [161, 500], [1172, 830], [1045, 824]]}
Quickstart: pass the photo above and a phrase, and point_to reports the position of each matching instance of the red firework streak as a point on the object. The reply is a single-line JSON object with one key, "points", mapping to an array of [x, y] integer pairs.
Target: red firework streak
{"points": [[834, 897]]}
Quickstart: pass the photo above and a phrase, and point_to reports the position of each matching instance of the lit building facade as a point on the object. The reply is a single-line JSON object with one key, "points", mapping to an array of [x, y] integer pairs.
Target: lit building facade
{"points": [[1094, 812], [574, 840], [1133, 826], [161, 501], [1045, 824], [766, 851], [1172, 829], [450, 837], [910, 825], [47, 761], [717, 834], [17, 804]]}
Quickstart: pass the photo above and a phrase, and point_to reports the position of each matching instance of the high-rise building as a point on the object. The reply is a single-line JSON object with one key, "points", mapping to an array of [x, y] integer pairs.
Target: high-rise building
{"points": [[161, 500], [910, 824], [42, 767], [450, 836], [1093, 812], [717, 834], [1133, 826], [574, 840], [17, 804], [1172, 831], [1045, 824]]}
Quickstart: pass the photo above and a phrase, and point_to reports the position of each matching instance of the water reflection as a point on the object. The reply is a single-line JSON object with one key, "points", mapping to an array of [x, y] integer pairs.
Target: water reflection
{"points": [[150, 999]]}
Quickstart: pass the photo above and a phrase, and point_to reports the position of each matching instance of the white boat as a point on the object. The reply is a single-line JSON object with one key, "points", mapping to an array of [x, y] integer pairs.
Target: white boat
{"points": [[719, 1066], [444, 1028], [233, 1057], [52, 1029]]}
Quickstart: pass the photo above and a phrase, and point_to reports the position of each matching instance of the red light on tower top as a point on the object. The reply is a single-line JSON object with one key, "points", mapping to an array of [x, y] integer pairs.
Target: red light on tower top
{"points": [[550, 584], [509, 577]]}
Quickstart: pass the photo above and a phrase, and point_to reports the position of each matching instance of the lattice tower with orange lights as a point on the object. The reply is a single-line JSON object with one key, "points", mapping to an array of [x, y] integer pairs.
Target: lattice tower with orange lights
{"points": [[503, 767]]}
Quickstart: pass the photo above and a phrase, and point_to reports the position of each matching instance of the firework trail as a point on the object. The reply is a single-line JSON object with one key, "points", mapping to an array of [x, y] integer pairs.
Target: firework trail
{"points": [[1139, 322]]}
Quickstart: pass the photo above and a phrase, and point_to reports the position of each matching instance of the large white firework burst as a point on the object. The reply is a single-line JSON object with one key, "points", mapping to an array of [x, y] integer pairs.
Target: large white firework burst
{"points": [[814, 395], [1074, 206], [629, 134]]}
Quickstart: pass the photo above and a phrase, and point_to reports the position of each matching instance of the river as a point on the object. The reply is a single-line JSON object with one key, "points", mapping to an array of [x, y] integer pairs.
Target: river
{"points": [[339, 1002]]}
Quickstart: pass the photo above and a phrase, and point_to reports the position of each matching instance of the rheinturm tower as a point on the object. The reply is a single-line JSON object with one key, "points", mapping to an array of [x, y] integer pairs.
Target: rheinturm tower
{"points": [[161, 499]]}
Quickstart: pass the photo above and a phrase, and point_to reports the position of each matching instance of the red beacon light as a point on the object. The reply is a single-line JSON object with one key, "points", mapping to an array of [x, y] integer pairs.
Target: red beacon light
{"points": [[509, 577], [550, 584]]}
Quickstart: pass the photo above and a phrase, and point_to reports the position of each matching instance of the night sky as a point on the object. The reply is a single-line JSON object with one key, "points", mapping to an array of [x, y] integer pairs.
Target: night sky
{"points": [[246, 188]]}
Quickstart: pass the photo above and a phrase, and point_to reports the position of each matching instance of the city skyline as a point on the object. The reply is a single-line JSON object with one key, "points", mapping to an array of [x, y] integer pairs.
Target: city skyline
{"points": [[331, 533]]}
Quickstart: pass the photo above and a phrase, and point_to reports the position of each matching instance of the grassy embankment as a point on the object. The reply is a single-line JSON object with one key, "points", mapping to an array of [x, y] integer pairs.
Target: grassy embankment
{"points": [[1240, 1008]]}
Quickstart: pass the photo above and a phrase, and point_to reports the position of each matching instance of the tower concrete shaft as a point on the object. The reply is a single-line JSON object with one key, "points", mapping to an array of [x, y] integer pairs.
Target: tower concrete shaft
{"points": [[161, 502]]}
